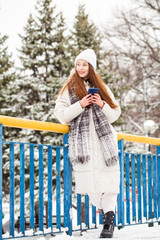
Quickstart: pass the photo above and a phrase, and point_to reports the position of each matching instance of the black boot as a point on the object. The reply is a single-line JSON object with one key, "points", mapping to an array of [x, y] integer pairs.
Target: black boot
{"points": [[108, 225]]}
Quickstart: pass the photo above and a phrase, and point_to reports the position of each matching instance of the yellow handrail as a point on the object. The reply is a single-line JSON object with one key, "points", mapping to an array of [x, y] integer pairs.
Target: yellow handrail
{"points": [[61, 128], [139, 139], [32, 124]]}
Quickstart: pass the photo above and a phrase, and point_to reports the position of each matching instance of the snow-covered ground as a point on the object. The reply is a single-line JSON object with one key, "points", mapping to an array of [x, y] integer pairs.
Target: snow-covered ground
{"points": [[134, 232]]}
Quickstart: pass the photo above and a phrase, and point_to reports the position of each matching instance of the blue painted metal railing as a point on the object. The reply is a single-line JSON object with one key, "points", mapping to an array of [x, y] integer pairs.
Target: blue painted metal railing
{"points": [[142, 197], [137, 202]]}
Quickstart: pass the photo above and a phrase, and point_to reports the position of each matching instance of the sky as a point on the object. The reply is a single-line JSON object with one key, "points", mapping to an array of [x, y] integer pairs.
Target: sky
{"points": [[14, 14]]}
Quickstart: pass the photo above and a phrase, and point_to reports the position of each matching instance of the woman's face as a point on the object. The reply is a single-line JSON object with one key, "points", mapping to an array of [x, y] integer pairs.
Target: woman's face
{"points": [[82, 68]]}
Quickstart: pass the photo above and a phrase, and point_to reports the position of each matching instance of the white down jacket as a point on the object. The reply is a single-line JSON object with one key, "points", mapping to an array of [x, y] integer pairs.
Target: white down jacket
{"points": [[93, 176]]}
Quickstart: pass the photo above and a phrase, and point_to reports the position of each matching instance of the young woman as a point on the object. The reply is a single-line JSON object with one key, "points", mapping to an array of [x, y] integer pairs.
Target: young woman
{"points": [[93, 148]]}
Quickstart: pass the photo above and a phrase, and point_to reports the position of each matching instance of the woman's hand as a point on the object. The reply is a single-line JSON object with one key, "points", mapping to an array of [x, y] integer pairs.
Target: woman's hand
{"points": [[97, 100], [85, 101]]}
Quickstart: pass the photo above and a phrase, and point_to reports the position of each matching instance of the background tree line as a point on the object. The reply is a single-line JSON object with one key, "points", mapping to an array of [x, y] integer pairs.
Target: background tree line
{"points": [[133, 42], [128, 60]]}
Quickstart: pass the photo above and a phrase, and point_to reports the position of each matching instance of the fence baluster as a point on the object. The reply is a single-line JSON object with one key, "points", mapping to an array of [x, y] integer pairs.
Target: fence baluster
{"points": [[155, 186], [133, 177], [127, 188], [79, 211], [49, 187], [67, 186], [87, 211], [150, 186], [31, 187], [41, 204], [22, 189], [1, 177], [120, 206], [12, 183], [58, 188], [94, 215], [144, 186], [139, 187], [65, 181]]}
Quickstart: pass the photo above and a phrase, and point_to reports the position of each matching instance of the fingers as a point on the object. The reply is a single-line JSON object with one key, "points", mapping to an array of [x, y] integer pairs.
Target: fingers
{"points": [[87, 100], [89, 96], [96, 98]]}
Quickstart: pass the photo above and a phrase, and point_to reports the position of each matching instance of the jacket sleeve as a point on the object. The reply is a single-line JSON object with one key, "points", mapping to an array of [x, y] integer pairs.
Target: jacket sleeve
{"points": [[111, 114], [64, 111]]}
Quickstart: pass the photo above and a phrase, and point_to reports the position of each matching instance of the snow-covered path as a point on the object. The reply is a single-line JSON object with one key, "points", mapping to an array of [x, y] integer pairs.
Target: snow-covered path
{"points": [[135, 232]]}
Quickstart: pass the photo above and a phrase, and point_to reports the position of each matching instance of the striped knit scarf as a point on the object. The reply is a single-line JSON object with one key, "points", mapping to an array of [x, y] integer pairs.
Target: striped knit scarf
{"points": [[79, 136]]}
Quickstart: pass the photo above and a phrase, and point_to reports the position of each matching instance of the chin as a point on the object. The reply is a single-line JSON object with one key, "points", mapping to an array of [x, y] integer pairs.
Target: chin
{"points": [[83, 76]]}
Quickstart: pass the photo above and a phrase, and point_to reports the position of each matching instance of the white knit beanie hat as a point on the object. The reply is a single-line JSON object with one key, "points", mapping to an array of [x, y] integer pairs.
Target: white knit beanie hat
{"points": [[88, 55]]}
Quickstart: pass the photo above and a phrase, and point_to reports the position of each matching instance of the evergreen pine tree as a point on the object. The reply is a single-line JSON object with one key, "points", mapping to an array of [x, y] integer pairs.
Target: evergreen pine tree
{"points": [[44, 67], [44, 60], [8, 86], [7, 80], [85, 35], [8, 104]]}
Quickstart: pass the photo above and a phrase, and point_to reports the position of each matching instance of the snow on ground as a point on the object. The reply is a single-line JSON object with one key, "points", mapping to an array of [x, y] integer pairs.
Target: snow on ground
{"points": [[134, 232]]}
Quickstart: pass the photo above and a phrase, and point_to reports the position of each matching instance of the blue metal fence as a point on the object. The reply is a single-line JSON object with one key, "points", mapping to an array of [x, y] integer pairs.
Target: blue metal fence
{"points": [[142, 188], [138, 200]]}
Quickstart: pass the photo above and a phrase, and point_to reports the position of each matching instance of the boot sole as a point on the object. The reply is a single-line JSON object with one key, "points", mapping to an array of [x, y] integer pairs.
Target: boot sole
{"points": [[106, 236]]}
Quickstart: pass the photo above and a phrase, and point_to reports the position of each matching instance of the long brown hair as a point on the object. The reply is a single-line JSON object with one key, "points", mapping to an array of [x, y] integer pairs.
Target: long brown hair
{"points": [[95, 80]]}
